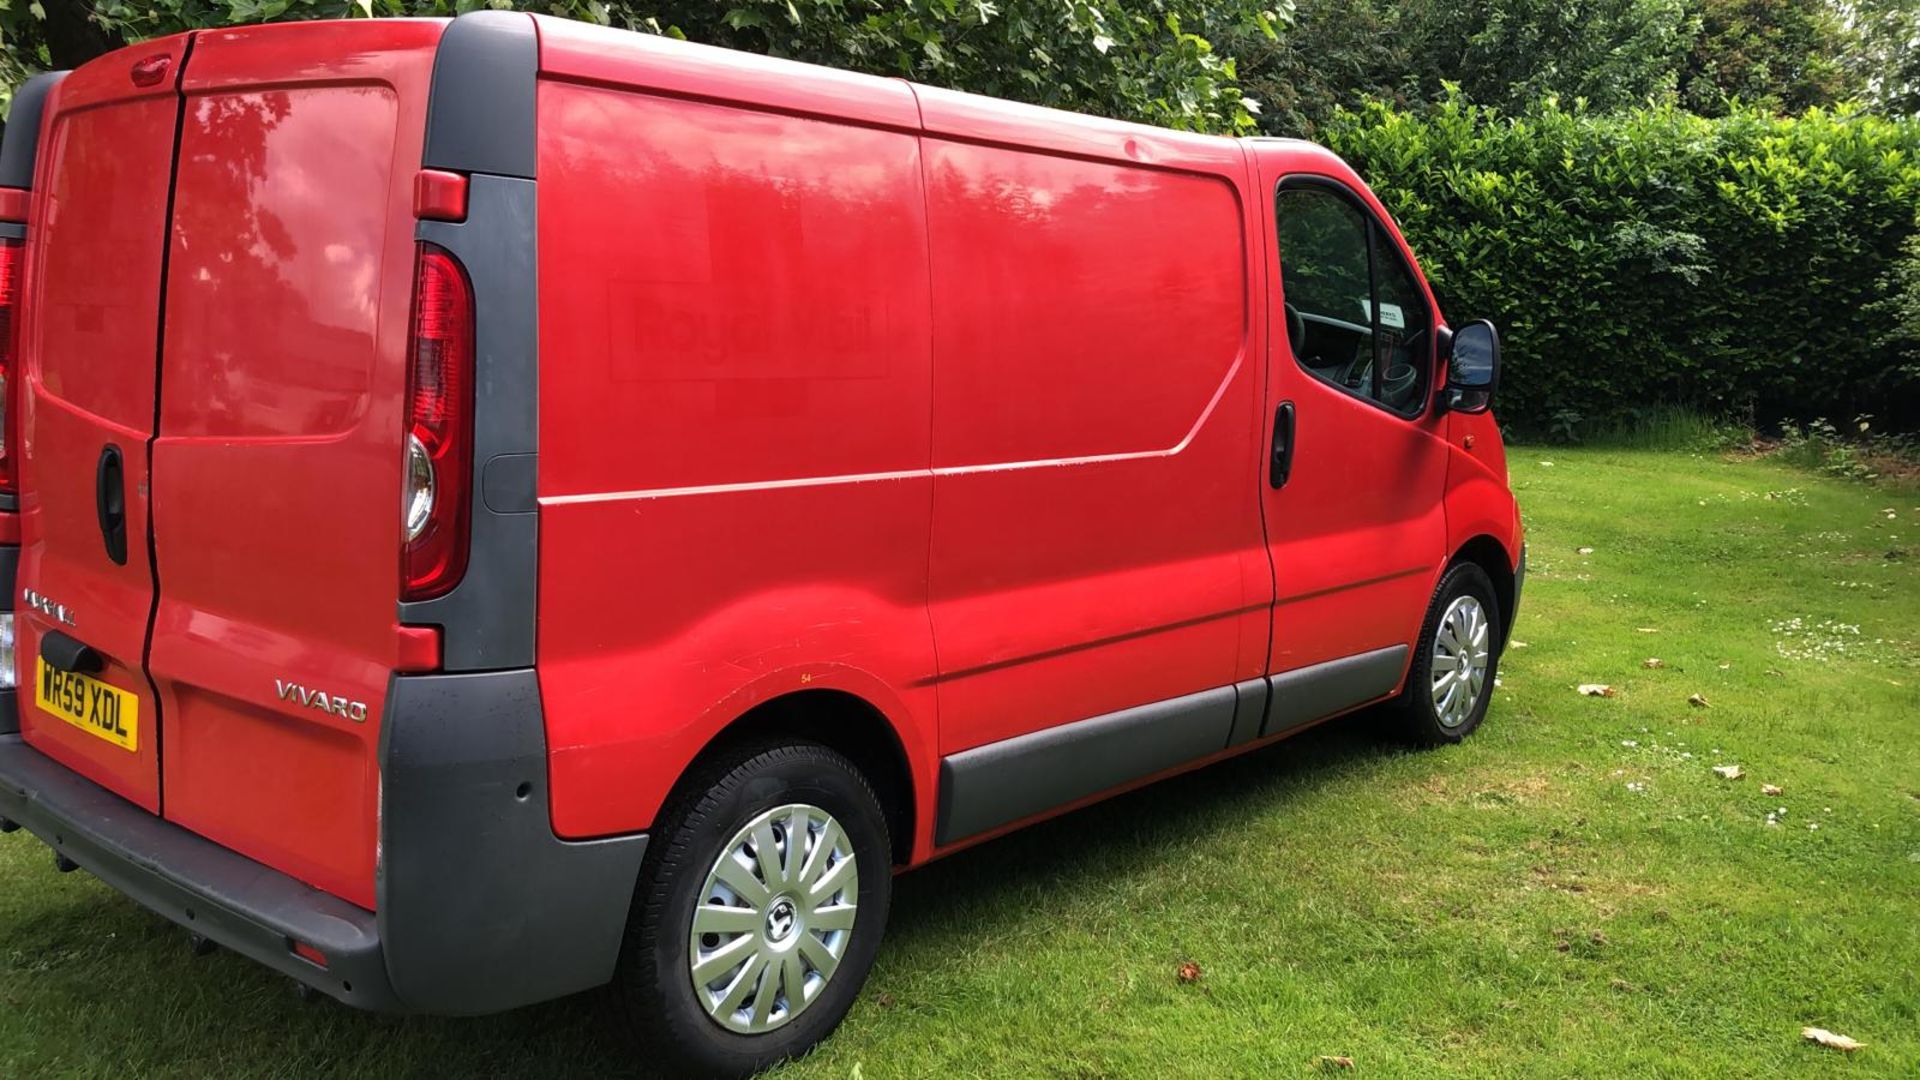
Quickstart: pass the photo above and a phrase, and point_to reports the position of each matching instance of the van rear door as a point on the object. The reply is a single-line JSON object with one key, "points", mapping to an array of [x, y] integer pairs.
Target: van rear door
{"points": [[276, 471], [220, 264], [95, 254]]}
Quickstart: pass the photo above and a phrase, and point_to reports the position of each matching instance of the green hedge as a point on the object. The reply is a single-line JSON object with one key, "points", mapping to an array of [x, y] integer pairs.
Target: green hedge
{"points": [[1745, 265]]}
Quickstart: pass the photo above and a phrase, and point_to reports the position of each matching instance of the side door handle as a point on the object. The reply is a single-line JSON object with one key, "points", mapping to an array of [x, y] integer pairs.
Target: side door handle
{"points": [[1281, 465], [110, 500]]}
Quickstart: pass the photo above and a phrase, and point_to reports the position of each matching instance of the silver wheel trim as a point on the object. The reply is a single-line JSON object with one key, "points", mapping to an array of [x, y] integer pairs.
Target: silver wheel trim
{"points": [[774, 919], [1460, 655]]}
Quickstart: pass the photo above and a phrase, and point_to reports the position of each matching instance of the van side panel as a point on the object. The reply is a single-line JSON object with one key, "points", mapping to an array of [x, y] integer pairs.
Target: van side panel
{"points": [[735, 388], [277, 471], [1096, 541]]}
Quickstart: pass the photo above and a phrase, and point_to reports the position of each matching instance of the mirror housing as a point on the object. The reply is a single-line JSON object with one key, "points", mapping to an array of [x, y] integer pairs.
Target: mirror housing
{"points": [[1473, 368]]}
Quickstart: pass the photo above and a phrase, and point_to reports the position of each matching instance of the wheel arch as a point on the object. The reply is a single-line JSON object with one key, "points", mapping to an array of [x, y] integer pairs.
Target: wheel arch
{"points": [[1491, 556], [843, 722]]}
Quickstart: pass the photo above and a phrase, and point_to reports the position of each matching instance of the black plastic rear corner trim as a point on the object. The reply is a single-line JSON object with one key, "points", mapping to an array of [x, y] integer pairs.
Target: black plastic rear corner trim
{"points": [[487, 621], [480, 114], [480, 121], [22, 144], [482, 907]]}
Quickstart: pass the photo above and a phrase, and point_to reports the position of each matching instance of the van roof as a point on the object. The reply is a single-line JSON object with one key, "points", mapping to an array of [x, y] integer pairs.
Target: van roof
{"points": [[589, 53]]}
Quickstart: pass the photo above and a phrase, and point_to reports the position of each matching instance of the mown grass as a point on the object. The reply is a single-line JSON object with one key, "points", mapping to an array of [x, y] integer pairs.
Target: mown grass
{"points": [[1572, 892]]}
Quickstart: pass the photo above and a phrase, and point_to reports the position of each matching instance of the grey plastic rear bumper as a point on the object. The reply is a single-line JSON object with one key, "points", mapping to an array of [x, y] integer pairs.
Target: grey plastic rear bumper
{"points": [[481, 907]]}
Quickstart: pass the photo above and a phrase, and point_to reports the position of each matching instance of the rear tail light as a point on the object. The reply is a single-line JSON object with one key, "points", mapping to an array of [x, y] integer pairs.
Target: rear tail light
{"points": [[435, 507], [7, 674], [10, 268]]}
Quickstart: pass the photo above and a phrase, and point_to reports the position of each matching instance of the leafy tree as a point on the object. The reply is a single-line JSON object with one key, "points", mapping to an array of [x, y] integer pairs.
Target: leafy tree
{"points": [[1147, 60], [1883, 52], [1786, 55], [1509, 54]]}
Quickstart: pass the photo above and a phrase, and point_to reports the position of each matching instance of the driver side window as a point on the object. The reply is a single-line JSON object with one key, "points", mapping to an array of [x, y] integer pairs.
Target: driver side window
{"points": [[1355, 316]]}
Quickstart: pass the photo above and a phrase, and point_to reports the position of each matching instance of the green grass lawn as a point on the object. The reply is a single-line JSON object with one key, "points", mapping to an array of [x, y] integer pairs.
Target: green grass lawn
{"points": [[1572, 892]]}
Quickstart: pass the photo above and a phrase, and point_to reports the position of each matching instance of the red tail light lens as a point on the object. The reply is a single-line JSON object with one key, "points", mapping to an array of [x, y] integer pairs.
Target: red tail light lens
{"points": [[10, 268], [436, 505]]}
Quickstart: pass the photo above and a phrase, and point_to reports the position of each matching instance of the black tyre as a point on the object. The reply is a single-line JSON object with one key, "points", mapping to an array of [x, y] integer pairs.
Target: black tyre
{"points": [[781, 853], [1457, 659]]}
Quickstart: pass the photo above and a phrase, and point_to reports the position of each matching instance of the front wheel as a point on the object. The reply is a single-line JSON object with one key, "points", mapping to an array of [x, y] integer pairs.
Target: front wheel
{"points": [[759, 915], [1452, 679]]}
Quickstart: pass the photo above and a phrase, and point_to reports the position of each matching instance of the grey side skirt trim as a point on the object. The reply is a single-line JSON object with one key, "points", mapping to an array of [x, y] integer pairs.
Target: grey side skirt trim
{"points": [[1307, 694], [1002, 782]]}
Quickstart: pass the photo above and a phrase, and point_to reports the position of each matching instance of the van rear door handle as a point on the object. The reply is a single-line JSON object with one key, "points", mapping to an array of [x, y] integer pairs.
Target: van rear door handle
{"points": [[1282, 464], [110, 500], [69, 653]]}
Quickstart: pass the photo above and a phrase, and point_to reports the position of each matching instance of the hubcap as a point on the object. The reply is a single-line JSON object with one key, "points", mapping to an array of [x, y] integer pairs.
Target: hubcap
{"points": [[774, 919], [1460, 655]]}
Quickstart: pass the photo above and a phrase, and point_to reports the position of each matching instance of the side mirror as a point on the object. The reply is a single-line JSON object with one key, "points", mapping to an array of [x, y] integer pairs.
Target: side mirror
{"points": [[1473, 367]]}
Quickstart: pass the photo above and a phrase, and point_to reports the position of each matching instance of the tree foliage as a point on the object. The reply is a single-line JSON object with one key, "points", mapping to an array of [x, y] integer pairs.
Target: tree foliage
{"points": [[1787, 55], [1149, 60], [1782, 55]]}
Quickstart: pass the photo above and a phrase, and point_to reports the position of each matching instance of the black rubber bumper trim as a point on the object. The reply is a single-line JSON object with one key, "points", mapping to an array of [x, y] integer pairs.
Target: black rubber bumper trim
{"points": [[481, 907], [249, 908]]}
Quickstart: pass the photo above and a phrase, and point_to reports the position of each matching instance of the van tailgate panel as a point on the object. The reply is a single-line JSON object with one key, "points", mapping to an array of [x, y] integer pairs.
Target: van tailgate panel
{"points": [[277, 467], [88, 339]]}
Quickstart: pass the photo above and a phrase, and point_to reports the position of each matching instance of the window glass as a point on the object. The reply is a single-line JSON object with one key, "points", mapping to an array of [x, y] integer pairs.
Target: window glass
{"points": [[1355, 316], [1401, 344]]}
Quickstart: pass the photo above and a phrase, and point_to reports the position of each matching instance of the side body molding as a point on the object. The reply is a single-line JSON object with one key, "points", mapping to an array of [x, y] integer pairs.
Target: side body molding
{"points": [[986, 787]]}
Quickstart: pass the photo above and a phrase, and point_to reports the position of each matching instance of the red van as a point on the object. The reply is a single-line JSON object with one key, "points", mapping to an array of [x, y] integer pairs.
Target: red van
{"points": [[502, 506]]}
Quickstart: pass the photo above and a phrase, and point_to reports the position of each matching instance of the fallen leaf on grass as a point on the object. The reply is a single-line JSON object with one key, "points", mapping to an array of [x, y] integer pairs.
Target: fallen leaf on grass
{"points": [[1699, 701], [1829, 1039], [1189, 972], [1729, 772], [1584, 551], [1518, 644], [1328, 1061], [1594, 689], [1653, 662], [1646, 629], [1769, 789]]}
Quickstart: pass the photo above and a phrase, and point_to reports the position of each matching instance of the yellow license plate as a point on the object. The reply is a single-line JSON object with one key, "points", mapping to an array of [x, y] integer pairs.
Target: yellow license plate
{"points": [[89, 704]]}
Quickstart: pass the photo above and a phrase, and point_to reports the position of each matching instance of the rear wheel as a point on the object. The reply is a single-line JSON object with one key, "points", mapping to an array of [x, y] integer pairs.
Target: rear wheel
{"points": [[760, 910], [1453, 673]]}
